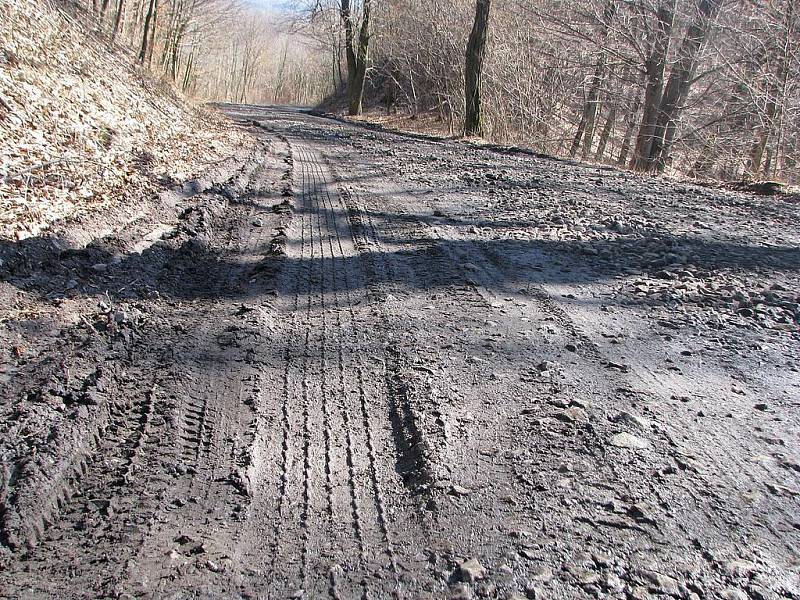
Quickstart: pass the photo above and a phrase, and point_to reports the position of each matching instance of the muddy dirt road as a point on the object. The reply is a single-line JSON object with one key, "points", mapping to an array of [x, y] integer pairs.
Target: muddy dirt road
{"points": [[353, 364]]}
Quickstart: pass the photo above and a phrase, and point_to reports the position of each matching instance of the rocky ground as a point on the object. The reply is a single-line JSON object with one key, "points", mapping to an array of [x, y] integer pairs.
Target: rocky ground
{"points": [[350, 363]]}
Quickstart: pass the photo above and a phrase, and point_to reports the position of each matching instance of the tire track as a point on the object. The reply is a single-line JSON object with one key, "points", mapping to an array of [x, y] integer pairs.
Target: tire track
{"points": [[356, 410], [286, 522], [315, 184], [218, 377], [327, 405], [377, 496]]}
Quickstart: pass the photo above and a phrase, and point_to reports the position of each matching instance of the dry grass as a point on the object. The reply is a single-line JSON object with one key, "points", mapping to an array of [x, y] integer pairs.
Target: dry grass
{"points": [[425, 123], [81, 127]]}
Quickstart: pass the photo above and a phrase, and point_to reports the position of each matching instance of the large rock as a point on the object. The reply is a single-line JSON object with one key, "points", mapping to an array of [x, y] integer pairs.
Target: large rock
{"points": [[471, 571], [627, 440]]}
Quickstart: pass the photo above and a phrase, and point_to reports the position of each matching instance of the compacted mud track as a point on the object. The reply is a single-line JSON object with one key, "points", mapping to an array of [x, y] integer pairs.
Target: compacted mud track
{"points": [[353, 364]]}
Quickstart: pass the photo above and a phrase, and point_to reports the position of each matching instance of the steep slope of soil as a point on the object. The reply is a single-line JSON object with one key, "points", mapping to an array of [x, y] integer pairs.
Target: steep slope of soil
{"points": [[364, 365], [81, 128]]}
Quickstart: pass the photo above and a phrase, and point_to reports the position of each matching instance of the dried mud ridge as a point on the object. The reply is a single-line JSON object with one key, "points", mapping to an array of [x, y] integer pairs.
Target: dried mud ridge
{"points": [[353, 364]]}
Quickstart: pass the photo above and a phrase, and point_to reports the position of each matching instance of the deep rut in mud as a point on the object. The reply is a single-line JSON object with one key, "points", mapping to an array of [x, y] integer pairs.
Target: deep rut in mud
{"points": [[323, 373]]}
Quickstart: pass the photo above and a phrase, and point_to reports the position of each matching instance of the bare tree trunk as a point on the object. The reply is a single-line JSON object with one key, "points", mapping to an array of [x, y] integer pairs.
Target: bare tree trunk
{"points": [[103, 9], [137, 23], [335, 61], [576, 141], [357, 56], [117, 19], [187, 71], [783, 77], [245, 77], [339, 60], [654, 73], [680, 81], [476, 51], [630, 127], [176, 51], [349, 41], [606, 133], [769, 156], [415, 102], [153, 34], [171, 37], [592, 107], [757, 153], [357, 91], [281, 70], [146, 32]]}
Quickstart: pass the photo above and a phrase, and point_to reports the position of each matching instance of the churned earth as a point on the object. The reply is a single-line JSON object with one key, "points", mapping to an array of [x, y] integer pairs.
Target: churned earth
{"points": [[349, 363]]}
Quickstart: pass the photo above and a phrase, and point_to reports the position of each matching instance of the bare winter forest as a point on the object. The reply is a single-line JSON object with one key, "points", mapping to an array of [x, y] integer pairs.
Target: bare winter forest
{"points": [[706, 88]]}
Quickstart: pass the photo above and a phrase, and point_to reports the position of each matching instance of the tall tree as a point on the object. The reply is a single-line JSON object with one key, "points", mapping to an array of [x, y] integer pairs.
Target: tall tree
{"points": [[655, 67], [774, 89], [680, 80], [117, 19], [476, 52], [587, 125], [357, 52], [146, 39]]}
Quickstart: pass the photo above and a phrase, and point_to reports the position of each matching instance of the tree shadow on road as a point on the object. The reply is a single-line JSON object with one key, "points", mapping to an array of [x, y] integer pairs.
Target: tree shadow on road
{"points": [[188, 269]]}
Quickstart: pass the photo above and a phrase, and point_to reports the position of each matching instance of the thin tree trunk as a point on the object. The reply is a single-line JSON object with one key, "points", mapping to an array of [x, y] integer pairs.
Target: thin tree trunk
{"points": [[576, 141], [117, 19], [243, 91], [153, 34], [136, 24], [176, 52], [415, 107], [783, 76], [476, 51], [342, 81], [757, 153], [281, 71], [654, 73], [146, 32], [334, 59], [680, 80], [170, 35], [630, 127], [592, 107], [769, 156], [187, 71], [349, 41], [103, 9], [606, 133]]}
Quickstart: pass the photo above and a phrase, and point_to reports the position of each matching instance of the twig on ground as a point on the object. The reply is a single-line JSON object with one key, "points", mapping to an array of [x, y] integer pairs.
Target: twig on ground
{"points": [[89, 325], [43, 165]]}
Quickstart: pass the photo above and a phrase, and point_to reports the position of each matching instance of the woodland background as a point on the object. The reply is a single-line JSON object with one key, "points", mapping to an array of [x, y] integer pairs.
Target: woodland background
{"points": [[578, 79]]}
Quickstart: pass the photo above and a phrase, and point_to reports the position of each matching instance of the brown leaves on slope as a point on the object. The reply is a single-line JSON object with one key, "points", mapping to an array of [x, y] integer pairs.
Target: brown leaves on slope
{"points": [[81, 127]]}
